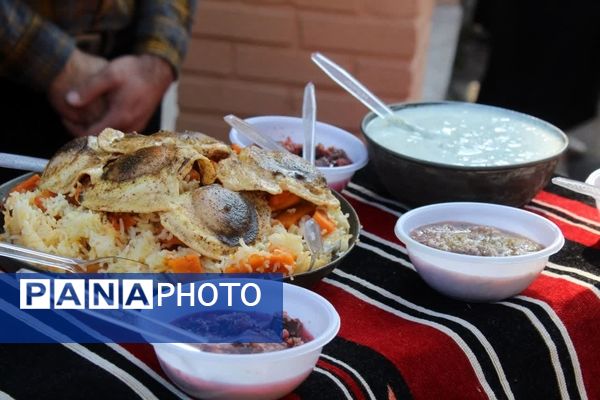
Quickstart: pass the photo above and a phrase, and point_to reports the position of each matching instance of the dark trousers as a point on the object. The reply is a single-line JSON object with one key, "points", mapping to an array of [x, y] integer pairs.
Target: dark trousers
{"points": [[544, 58], [30, 126]]}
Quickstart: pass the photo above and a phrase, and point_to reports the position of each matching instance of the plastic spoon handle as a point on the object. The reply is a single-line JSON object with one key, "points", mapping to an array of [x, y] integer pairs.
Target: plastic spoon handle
{"points": [[353, 86], [312, 234], [577, 186], [24, 163], [309, 118], [251, 133]]}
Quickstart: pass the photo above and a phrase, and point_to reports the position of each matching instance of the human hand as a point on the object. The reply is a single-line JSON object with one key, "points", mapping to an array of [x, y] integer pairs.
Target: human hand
{"points": [[132, 86], [79, 69]]}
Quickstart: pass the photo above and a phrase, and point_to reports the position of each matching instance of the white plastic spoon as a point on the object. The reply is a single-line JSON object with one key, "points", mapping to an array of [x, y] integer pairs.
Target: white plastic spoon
{"points": [[309, 119], [578, 186], [251, 133], [23, 163], [364, 95]]}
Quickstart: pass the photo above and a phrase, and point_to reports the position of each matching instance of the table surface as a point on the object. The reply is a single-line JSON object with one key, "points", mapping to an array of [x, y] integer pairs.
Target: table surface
{"points": [[399, 339]]}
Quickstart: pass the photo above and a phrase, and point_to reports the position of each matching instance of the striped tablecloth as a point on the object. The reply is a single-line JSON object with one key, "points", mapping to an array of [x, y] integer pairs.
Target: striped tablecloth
{"points": [[399, 339]]}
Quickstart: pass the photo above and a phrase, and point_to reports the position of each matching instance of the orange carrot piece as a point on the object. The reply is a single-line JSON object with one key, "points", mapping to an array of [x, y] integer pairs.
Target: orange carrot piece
{"points": [[27, 185], [190, 263], [281, 257], [236, 148], [324, 221], [127, 218], [291, 218], [45, 194], [283, 200]]}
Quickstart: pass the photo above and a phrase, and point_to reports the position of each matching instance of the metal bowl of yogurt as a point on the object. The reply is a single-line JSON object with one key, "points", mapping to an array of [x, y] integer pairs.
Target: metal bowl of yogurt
{"points": [[462, 152]]}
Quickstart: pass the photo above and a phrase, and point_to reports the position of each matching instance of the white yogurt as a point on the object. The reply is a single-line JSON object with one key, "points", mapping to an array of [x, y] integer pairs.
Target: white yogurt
{"points": [[465, 134]]}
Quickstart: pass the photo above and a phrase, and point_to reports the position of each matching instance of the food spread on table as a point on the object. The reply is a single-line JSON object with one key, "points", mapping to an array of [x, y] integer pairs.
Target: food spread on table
{"points": [[474, 239], [179, 202]]}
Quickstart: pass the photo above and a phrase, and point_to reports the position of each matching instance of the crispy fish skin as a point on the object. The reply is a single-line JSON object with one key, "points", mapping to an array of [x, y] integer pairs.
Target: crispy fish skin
{"points": [[274, 172], [213, 220], [71, 162], [114, 141]]}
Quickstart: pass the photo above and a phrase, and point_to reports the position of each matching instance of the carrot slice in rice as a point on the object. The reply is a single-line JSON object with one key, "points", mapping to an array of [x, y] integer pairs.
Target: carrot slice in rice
{"points": [[38, 200], [190, 263], [27, 185], [324, 221], [288, 218], [115, 218], [283, 200]]}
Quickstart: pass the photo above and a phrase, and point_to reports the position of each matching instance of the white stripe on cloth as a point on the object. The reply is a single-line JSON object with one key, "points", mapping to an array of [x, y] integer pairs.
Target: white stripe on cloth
{"points": [[586, 285], [567, 212], [459, 341], [381, 240], [335, 380], [572, 270], [384, 254], [551, 214], [372, 203], [558, 371], [135, 385], [353, 372], [566, 338], [376, 196], [5, 396]]}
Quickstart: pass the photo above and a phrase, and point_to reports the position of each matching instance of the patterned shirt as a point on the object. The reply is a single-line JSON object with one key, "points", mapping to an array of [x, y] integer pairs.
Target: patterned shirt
{"points": [[38, 36]]}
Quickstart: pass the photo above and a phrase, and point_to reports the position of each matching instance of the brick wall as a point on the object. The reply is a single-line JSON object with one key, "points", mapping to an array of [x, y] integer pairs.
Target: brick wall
{"points": [[252, 57]]}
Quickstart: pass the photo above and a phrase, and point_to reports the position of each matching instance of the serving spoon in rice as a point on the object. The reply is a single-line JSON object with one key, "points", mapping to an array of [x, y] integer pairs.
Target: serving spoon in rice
{"points": [[66, 264]]}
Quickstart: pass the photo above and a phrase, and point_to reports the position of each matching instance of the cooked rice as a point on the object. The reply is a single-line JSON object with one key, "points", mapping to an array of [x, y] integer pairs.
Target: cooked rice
{"points": [[71, 230]]}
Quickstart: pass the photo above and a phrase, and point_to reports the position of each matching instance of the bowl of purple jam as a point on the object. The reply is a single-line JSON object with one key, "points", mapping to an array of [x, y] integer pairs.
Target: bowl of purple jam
{"points": [[338, 153], [251, 370]]}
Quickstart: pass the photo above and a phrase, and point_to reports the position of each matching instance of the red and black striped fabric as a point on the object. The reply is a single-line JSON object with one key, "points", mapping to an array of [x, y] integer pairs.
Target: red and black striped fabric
{"points": [[399, 339]]}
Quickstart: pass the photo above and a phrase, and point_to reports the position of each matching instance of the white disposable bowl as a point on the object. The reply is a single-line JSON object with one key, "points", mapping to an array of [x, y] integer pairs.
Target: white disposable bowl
{"points": [[280, 127], [254, 376], [479, 278], [594, 179]]}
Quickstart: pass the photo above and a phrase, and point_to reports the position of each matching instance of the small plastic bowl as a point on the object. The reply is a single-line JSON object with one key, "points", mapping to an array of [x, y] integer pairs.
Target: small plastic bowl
{"points": [[280, 127], [255, 376], [479, 278], [594, 179]]}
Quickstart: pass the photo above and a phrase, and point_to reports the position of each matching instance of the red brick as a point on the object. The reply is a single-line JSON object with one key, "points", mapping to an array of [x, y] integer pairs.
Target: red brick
{"points": [[329, 5], [392, 8], [245, 22], [209, 56], [232, 96], [389, 77], [281, 65], [362, 35], [210, 124]]}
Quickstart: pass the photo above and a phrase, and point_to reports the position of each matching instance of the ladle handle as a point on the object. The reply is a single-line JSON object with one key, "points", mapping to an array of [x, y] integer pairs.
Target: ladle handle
{"points": [[24, 163], [309, 119], [251, 133], [354, 87], [577, 186]]}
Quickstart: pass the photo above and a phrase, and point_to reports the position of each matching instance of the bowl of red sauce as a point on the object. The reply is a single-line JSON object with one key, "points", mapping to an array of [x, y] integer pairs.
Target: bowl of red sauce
{"points": [[338, 153], [253, 370]]}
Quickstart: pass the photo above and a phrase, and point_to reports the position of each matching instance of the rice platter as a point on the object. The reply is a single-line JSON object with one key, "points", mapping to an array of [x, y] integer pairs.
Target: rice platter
{"points": [[176, 202]]}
